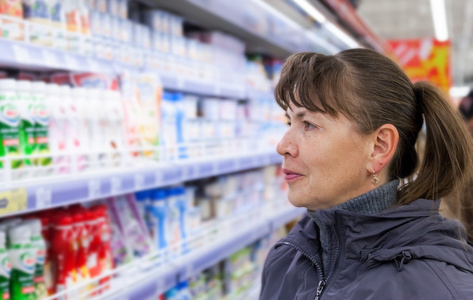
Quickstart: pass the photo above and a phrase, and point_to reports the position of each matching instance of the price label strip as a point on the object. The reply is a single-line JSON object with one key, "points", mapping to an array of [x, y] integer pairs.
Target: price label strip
{"points": [[43, 198], [71, 62], [50, 58], [115, 185], [22, 55], [94, 189], [13, 201]]}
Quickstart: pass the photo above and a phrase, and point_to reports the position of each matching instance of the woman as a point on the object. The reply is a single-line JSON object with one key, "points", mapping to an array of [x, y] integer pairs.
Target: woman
{"points": [[459, 205], [372, 232]]}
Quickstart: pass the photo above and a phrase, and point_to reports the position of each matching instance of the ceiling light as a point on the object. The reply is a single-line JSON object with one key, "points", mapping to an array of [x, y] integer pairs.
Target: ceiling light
{"points": [[342, 35], [439, 17], [459, 91], [317, 15], [311, 10]]}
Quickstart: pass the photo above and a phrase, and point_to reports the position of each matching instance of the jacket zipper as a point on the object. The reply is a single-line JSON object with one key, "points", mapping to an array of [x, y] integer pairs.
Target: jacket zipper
{"points": [[321, 285]]}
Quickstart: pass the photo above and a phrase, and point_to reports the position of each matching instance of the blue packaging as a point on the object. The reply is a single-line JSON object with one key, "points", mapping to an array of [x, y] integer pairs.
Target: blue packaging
{"points": [[182, 205], [36, 9], [159, 218], [174, 228]]}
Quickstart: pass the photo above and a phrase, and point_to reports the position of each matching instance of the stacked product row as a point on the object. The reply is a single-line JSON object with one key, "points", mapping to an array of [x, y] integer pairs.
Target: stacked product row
{"points": [[71, 250], [151, 38], [82, 113], [233, 278], [50, 251]]}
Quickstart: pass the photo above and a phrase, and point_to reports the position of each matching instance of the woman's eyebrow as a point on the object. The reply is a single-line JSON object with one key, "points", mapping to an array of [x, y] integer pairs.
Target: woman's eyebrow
{"points": [[299, 115]]}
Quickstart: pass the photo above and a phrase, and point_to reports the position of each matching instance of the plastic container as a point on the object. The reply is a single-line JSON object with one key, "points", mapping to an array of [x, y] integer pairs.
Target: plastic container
{"points": [[27, 123], [39, 245], [142, 202], [9, 122], [5, 268], [42, 118], [159, 218], [82, 242], [64, 253], [22, 256]]}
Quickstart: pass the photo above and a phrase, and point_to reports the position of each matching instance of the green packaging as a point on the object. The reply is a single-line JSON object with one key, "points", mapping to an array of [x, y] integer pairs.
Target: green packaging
{"points": [[9, 122], [41, 117], [27, 124], [22, 257], [39, 245], [5, 269]]}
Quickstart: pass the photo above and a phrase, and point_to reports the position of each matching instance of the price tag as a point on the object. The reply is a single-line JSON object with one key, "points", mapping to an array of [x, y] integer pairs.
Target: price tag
{"points": [[13, 201], [71, 62], [93, 65], [246, 163], [50, 58], [94, 189], [189, 271], [180, 83], [217, 90], [206, 169], [158, 178], [115, 185], [226, 166], [21, 54], [139, 182], [43, 198]]}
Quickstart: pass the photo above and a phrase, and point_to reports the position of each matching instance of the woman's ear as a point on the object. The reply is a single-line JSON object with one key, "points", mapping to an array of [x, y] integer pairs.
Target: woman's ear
{"points": [[384, 145]]}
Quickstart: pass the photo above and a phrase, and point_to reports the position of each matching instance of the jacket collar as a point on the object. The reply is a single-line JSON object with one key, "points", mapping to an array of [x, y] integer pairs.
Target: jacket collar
{"points": [[416, 228]]}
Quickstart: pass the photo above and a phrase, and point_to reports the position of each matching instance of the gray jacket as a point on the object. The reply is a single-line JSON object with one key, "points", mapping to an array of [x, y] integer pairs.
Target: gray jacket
{"points": [[408, 252]]}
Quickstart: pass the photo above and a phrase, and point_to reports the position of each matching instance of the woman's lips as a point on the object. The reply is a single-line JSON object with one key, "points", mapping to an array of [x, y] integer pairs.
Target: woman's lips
{"points": [[290, 175]]}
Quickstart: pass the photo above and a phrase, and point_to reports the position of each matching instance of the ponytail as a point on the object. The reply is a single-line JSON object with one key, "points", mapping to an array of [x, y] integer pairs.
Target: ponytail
{"points": [[448, 149]]}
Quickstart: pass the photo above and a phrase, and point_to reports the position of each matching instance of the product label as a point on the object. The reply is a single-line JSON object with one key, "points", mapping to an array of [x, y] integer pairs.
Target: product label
{"points": [[23, 263], [27, 130], [5, 265], [42, 118], [9, 131]]}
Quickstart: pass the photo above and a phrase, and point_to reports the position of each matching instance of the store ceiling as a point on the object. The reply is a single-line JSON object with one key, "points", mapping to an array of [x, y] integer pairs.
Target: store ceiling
{"points": [[412, 19]]}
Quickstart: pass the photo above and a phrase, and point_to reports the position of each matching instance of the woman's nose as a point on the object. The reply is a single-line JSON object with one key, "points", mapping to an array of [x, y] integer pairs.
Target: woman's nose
{"points": [[287, 145]]}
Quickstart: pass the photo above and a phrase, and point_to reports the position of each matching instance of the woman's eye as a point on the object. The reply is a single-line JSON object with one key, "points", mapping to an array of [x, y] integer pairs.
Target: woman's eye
{"points": [[288, 124], [308, 126]]}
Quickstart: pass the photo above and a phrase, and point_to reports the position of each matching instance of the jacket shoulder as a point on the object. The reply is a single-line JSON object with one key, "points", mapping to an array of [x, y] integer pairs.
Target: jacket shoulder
{"points": [[419, 279]]}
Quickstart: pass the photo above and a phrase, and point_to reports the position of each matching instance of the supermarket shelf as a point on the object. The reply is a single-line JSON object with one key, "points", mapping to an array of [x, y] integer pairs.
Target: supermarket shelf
{"points": [[28, 56], [197, 262], [156, 282], [43, 194], [32, 57], [257, 24], [189, 85]]}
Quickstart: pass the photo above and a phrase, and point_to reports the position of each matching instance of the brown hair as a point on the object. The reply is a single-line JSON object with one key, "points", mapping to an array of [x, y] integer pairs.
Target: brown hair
{"points": [[371, 90]]}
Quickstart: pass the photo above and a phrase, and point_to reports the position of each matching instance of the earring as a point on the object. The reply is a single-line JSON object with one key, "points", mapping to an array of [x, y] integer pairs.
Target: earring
{"points": [[375, 180]]}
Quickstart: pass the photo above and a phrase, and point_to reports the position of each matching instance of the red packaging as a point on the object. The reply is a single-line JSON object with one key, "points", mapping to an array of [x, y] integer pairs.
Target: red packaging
{"points": [[82, 241], [105, 251], [64, 253]]}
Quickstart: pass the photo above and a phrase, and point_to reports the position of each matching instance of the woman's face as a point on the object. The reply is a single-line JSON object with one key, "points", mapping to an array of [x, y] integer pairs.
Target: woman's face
{"points": [[325, 160]]}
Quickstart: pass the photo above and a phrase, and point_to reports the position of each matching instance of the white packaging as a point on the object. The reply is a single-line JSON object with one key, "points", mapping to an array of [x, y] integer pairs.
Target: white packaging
{"points": [[81, 139]]}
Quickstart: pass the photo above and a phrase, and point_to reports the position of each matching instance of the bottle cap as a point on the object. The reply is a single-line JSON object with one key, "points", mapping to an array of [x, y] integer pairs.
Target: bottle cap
{"points": [[23, 85], [158, 194], [7, 84], [35, 226], [64, 221], [19, 234], [142, 196], [38, 86], [53, 89]]}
